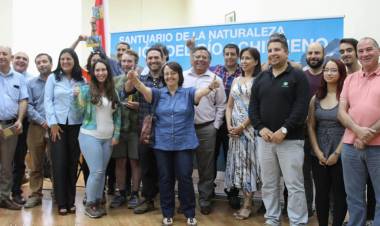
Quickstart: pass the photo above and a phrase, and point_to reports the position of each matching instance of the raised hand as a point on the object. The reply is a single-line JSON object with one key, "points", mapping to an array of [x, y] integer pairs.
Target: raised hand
{"points": [[190, 43], [214, 84]]}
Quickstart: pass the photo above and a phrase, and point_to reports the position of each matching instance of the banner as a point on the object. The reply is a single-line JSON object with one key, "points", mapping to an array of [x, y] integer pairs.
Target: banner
{"points": [[300, 33]]}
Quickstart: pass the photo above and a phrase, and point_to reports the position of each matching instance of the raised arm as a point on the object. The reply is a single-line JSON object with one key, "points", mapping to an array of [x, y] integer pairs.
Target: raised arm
{"points": [[135, 81]]}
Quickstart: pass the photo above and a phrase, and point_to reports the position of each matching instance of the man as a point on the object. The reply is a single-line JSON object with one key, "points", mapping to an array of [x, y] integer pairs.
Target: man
{"points": [[149, 176], [37, 139], [13, 105], [359, 112], [278, 110], [164, 51], [127, 148], [348, 54], [208, 118], [20, 62]]}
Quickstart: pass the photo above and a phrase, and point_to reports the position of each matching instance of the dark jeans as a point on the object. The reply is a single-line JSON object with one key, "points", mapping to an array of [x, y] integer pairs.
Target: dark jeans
{"points": [[19, 159], [371, 201], [325, 179], [172, 165], [149, 175], [65, 156]]}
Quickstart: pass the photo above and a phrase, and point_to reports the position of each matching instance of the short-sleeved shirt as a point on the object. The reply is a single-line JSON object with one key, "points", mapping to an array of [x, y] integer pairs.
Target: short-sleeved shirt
{"points": [[13, 89], [174, 127], [362, 94]]}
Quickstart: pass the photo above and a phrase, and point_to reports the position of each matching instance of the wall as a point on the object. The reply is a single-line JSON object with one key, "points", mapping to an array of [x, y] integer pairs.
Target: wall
{"points": [[361, 17], [5, 22]]}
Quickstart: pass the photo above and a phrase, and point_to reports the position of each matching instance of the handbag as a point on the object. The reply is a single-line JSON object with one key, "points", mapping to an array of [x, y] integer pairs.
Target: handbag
{"points": [[147, 130]]}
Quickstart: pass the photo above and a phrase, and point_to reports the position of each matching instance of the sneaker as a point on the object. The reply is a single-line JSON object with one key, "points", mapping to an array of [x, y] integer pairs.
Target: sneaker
{"points": [[10, 204], [92, 210], [369, 223], [18, 199], [133, 201], [101, 208], [167, 221], [117, 201], [144, 207], [33, 201], [191, 221]]}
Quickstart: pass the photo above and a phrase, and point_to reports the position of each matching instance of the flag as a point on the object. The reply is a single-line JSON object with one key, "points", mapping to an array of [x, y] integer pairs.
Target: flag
{"points": [[98, 13]]}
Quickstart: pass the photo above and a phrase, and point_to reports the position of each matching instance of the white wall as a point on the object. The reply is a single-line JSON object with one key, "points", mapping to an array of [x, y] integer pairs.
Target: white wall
{"points": [[361, 16], [5, 22]]}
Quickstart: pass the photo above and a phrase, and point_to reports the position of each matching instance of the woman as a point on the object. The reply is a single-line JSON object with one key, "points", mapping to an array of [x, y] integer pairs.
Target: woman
{"points": [[175, 138], [326, 133], [64, 121], [98, 102], [242, 167]]}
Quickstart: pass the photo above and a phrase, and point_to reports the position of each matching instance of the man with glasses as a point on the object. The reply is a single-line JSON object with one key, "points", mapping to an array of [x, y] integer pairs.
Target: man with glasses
{"points": [[209, 116]]}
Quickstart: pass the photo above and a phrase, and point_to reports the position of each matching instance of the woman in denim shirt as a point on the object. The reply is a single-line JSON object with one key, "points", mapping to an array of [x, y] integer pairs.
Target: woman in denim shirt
{"points": [[175, 138], [98, 102], [64, 120]]}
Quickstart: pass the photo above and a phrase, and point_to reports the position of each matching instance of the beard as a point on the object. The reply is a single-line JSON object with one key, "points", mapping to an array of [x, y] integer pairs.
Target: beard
{"points": [[315, 65]]}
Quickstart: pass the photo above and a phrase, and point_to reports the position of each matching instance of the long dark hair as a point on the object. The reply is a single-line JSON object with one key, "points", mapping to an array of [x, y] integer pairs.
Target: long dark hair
{"points": [[109, 86], [256, 55], [322, 90], [101, 54], [76, 73]]}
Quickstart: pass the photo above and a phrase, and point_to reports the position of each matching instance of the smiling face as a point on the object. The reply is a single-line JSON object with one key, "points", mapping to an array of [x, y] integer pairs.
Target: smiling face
{"points": [[230, 57], [171, 77], [154, 61], [5, 58], [331, 73], [67, 63], [247, 62], [368, 54], [277, 55], [100, 72], [347, 54], [314, 55], [201, 61], [20, 62]]}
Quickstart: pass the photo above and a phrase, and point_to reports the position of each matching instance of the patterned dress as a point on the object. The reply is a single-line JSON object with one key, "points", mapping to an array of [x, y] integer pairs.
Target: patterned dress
{"points": [[242, 167]]}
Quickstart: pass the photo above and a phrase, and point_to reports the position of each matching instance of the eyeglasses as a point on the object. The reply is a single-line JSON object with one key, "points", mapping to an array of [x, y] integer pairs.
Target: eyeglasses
{"points": [[332, 70]]}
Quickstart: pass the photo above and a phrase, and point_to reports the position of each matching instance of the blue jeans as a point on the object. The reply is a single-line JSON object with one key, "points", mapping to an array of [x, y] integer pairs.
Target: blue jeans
{"points": [[97, 153], [356, 166], [172, 164]]}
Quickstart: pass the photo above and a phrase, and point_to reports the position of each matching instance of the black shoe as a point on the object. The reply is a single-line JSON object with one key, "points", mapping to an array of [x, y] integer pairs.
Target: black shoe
{"points": [[310, 212], [10, 204], [233, 198], [205, 210], [18, 199]]}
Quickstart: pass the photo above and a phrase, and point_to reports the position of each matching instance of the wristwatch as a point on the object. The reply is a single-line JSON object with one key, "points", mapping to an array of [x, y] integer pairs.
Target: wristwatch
{"points": [[284, 130]]}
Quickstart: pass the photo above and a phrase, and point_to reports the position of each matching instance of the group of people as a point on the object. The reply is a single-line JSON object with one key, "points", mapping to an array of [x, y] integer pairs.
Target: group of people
{"points": [[271, 121]]}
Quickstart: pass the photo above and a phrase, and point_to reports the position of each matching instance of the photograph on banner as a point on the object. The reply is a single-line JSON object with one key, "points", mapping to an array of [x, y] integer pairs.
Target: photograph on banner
{"points": [[300, 33]]}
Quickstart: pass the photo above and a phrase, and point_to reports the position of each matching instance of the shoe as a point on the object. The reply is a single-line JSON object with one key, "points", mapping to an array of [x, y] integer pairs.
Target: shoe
{"points": [[133, 201], [205, 210], [62, 211], [191, 221], [167, 221], [10, 204], [233, 198], [33, 201], [117, 201], [72, 209], [92, 210], [18, 199], [369, 223], [262, 209], [144, 207], [243, 213], [101, 207]]}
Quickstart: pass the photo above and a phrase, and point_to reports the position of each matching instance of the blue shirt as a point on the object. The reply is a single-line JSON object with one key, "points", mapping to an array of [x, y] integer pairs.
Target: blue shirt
{"points": [[13, 89], [59, 101], [174, 127], [36, 110]]}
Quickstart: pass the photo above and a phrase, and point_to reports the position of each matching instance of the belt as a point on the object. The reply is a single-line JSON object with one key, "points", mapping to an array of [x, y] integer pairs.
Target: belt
{"points": [[201, 125], [7, 122]]}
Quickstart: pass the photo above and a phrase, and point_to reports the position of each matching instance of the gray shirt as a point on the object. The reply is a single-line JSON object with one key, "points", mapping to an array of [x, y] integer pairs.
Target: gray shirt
{"points": [[212, 106], [36, 110]]}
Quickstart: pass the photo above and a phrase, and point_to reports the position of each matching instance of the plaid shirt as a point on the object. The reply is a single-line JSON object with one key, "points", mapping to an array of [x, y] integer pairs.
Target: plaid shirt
{"points": [[145, 107], [222, 72]]}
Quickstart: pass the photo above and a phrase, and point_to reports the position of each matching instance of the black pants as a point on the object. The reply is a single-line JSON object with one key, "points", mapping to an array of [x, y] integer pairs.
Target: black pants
{"points": [[371, 201], [65, 156], [328, 178], [19, 159], [149, 175], [221, 140]]}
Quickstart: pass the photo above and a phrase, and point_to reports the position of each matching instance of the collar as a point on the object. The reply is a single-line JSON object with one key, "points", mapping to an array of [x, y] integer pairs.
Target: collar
{"points": [[375, 73], [10, 73], [287, 70], [207, 73], [166, 90]]}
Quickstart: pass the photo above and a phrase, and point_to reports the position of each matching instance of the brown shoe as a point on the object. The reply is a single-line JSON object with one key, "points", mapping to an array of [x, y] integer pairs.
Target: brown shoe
{"points": [[9, 204]]}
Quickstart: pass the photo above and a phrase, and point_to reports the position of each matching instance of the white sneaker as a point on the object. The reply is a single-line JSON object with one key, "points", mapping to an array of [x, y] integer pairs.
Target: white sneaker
{"points": [[191, 221], [167, 221]]}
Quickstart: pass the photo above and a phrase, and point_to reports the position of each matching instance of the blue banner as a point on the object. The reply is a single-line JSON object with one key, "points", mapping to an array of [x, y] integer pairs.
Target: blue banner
{"points": [[300, 33]]}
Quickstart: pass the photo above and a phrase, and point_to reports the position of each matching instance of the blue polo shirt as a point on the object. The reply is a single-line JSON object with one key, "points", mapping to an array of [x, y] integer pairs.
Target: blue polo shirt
{"points": [[36, 110], [13, 89], [174, 127]]}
